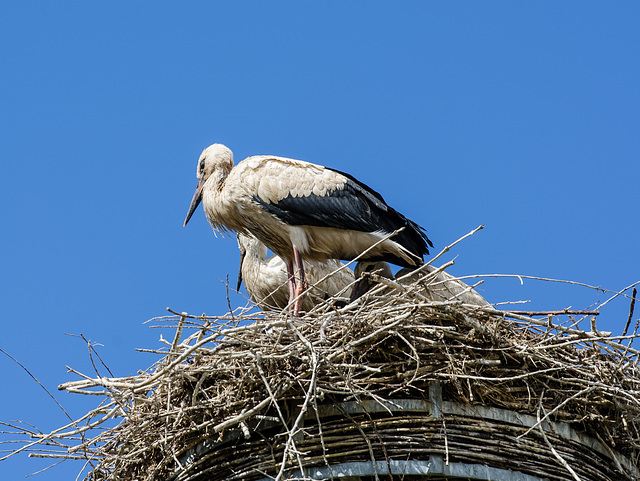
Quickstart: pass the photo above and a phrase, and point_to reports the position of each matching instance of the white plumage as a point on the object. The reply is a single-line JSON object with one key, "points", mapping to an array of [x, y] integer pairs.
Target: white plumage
{"points": [[302, 210], [435, 286], [266, 279]]}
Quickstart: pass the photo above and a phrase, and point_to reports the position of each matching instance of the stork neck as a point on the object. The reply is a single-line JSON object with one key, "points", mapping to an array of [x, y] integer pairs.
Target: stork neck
{"points": [[216, 180], [213, 200]]}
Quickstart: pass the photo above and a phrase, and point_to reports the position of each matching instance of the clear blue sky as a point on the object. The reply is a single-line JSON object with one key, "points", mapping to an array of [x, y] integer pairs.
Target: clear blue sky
{"points": [[523, 116]]}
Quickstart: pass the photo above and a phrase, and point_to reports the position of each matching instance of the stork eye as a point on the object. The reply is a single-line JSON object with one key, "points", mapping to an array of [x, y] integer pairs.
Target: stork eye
{"points": [[202, 165]]}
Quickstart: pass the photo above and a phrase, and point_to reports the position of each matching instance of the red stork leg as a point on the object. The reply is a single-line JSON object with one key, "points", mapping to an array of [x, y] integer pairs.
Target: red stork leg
{"points": [[292, 281], [301, 282]]}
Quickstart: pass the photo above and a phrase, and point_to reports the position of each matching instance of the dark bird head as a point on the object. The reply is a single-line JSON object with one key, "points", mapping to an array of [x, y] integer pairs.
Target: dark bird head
{"points": [[363, 272]]}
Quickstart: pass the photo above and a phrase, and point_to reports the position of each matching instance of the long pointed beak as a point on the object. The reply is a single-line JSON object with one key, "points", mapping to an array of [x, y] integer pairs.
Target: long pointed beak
{"points": [[242, 254], [195, 202]]}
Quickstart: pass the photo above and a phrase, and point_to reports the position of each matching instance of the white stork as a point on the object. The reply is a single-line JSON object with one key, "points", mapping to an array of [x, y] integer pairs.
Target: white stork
{"points": [[266, 278], [435, 286], [302, 210]]}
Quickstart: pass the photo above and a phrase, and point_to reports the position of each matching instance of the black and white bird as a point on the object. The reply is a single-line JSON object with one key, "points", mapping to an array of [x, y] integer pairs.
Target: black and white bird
{"points": [[434, 285], [301, 210], [265, 278]]}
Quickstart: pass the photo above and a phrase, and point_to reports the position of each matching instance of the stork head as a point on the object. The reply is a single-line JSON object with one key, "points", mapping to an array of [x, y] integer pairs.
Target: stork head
{"points": [[252, 248], [363, 282], [215, 162], [243, 243], [249, 244]]}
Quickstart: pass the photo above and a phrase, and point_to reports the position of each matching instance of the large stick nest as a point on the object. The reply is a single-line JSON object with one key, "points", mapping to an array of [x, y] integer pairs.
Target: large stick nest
{"points": [[250, 376]]}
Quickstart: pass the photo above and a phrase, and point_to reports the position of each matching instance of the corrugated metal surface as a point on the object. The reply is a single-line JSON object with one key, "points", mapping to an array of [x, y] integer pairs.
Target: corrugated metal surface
{"points": [[415, 438]]}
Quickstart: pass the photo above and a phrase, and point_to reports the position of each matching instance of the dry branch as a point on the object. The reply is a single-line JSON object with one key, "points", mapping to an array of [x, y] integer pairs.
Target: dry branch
{"points": [[393, 376]]}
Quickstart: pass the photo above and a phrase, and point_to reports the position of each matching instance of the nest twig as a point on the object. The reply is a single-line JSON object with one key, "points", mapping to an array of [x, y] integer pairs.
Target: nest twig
{"points": [[253, 374], [386, 379]]}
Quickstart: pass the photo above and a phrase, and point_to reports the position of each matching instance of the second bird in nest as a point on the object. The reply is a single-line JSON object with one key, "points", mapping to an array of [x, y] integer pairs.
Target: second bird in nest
{"points": [[265, 278]]}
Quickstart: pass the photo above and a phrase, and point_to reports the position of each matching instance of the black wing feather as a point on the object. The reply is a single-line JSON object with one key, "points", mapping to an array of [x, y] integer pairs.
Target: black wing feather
{"points": [[354, 207]]}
